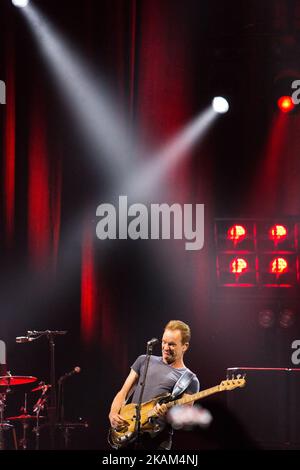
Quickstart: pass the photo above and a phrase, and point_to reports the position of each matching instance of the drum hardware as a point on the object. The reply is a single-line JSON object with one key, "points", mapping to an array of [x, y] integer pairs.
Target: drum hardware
{"points": [[37, 408], [55, 405], [6, 382], [25, 420], [42, 386], [2, 423]]}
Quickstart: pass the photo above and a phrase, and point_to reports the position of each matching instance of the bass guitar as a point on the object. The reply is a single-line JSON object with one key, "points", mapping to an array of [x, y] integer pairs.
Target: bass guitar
{"points": [[122, 436]]}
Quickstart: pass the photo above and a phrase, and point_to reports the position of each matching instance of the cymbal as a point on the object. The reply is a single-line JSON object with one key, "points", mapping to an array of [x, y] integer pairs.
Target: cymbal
{"points": [[7, 380], [23, 418], [5, 426], [41, 387]]}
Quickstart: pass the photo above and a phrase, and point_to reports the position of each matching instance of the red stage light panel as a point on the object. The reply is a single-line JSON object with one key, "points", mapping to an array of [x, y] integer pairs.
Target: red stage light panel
{"points": [[279, 270], [236, 233], [278, 233], [235, 236], [277, 237], [278, 266], [238, 266], [234, 270], [285, 104]]}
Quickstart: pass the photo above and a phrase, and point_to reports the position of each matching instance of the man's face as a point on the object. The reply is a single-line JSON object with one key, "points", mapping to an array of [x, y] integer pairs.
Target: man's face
{"points": [[172, 347]]}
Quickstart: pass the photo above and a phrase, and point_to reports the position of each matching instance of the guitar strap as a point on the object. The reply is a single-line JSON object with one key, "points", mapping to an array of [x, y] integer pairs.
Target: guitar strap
{"points": [[182, 383]]}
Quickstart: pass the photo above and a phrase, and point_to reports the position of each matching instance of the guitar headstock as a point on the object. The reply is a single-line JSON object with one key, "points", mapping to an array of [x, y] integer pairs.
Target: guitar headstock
{"points": [[231, 384]]}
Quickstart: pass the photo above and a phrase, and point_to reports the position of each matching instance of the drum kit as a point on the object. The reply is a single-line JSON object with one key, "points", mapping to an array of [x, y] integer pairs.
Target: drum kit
{"points": [[49, 409], [30, 423], [25, 419], [47, 403]]}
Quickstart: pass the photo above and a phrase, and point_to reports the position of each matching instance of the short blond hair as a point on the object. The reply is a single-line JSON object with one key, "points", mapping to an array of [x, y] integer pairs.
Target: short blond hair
{"points": [[183, 327]]}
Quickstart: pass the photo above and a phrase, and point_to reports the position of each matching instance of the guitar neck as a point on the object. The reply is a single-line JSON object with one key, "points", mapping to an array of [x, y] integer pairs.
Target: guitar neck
{"points": [[196, 396], [189, 398]]}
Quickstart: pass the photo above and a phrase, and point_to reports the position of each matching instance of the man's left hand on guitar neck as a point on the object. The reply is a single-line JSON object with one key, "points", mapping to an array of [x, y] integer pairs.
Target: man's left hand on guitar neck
{"points": [[160, 410]]}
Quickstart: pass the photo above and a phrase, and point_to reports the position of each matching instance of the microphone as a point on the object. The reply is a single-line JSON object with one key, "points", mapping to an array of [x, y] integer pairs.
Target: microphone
{"points": [[23, 339], [76, 370], [152, 342]]}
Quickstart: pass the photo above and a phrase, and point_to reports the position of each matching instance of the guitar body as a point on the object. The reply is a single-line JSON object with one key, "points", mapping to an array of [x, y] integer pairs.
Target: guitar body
{"points": [[120, 437]]}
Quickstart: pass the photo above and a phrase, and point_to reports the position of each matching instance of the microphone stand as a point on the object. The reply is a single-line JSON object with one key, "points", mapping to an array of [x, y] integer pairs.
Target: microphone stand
{"points": [[37, 431], [139, 403], [52, 408], [65, 427], [61, 412]]}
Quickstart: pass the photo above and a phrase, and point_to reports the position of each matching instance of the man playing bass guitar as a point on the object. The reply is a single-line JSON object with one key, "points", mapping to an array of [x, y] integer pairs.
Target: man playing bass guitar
{"points": [[163, 373]]}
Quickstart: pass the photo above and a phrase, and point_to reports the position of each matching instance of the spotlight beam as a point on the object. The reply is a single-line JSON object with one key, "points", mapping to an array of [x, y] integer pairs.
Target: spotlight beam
{"points": [[146, 179], [98, 116], [100, 119]]}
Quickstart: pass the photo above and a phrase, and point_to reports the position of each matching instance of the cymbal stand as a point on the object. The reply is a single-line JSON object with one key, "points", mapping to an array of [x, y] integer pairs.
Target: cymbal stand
{"points": [[38, 407], [37, 431], [2, 407], [25, 425], [3, 425]]}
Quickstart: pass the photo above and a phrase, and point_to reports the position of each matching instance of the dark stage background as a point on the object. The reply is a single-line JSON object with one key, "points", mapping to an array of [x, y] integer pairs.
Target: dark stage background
{"points": [[164, 61]]}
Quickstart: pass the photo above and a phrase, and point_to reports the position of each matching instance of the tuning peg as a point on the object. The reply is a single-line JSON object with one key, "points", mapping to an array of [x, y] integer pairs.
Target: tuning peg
{"points": [[238, 376]]}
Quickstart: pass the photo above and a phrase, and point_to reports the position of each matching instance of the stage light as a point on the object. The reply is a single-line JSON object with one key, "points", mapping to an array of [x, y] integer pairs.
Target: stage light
{"points": [[279, 266], [266, 318], [220, 105], [278, 233], [236, 233], [287, 318], [258, 253], [285, 104], [238, 266], [20, 3]]}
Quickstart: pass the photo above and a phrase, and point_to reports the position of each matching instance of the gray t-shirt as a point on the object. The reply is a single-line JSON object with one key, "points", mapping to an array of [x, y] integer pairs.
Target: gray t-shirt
{"points": [[160, 379]]}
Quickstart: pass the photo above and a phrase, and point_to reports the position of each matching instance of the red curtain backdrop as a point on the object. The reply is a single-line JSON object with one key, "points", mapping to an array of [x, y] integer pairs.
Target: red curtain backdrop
{"points": [[39, 231], [89, 288], [9, 155], [147, 50]]}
